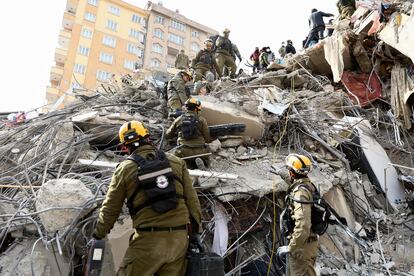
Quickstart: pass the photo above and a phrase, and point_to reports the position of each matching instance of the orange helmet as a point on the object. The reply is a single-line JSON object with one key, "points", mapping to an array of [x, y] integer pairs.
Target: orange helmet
{"points": [[299, 164]]}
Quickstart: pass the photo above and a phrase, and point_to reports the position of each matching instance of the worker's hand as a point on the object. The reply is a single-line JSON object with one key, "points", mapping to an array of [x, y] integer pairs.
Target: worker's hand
{"points": [[195, 242], [240, 59], [282, 251]]}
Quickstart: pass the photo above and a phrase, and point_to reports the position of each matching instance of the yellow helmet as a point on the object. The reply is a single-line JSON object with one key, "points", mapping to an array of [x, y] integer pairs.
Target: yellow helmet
{"points": [[226, 30], [188, 73], [299, 164], [193, 103], [132, 131]]}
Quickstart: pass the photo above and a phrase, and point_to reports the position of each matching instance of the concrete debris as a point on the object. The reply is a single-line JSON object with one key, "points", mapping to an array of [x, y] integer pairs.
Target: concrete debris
{"points": [[347, 103], [68, 196]]}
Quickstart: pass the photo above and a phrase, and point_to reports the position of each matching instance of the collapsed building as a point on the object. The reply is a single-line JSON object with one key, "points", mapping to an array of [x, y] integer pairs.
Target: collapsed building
{"points": [[347, 103]]}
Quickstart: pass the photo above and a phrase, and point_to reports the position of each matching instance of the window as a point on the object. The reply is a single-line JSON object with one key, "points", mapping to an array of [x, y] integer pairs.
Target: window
{"points": [[134, 49], [194, 34], [79, 68], [90, 16], [159, 19], [106, 58], [155, 63], [86, 33], [93, 2], [114, 10], [195, 47], [112, 25], [157, 48], [109, 41], [129, 64], [136, 34], [102, 75], [76, 85], [177, 25], [84, 51], [159, 33], [136, 18], [176, 39]]}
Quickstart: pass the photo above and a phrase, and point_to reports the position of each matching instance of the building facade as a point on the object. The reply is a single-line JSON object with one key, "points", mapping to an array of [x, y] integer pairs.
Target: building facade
{"points": [[98, 37], [168, 32], [103, 37]]}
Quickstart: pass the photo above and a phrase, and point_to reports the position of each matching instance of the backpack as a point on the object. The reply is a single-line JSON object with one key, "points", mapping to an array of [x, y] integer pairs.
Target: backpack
{"points": [[189, 126], [156, 179], [320, 212]]}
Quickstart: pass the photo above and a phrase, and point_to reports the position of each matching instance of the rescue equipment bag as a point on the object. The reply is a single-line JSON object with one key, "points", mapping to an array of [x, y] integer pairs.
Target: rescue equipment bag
{"points": [[189, 126], [156, 179]]}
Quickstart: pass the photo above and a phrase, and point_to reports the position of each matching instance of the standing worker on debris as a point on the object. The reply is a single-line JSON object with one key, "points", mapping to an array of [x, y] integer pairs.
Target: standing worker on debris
{"points": [[255, 58], [193, 133], [303, 242], [264, 57], [224, 49], [316, 25], [290, 49], [235, 53], [181, 61], [204, 66], [177, 94], [162, 204], [346, 8], [282, 50]]}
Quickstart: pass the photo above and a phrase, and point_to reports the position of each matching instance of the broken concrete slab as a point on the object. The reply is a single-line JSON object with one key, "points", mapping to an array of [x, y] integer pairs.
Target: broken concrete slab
{"points": [[61, 193], [398, 33]]}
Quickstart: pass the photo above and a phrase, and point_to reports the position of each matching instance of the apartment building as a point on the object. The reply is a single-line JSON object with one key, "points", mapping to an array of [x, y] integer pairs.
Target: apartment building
{"points": [[168, 32], [103, 37], [98, 38]]}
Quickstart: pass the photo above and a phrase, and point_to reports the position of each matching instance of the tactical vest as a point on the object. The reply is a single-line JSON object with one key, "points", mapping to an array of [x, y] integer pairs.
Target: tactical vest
{"points": [[156, 179], [206, 57], [226, 45], [320, 212], [189, 126]]}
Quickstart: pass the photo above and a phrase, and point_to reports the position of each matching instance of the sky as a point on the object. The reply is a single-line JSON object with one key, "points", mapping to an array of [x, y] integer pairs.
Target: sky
{"points": [[30, 34]]}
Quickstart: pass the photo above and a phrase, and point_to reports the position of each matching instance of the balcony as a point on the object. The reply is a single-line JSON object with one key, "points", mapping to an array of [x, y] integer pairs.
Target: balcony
{"points": [[68, 20], [60, 55], [56, 73], [64, 39], [71, 6]]}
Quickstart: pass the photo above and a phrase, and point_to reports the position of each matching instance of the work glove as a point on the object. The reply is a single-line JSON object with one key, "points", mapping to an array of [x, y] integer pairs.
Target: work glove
{"points": [[282, 251], [240, 59], [196, 243]]}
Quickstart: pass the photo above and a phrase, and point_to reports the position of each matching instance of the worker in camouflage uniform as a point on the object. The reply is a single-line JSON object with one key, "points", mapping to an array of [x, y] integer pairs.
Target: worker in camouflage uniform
{"points": [[204, 65], [160, 242], [346, 8], [177, 93], [303, 243], [224, 49], [181, 61], [193, 133], [234, 53]]}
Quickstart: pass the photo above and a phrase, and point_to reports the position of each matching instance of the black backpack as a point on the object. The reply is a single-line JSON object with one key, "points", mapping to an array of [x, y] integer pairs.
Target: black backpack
{"points": [[320, 212], [156, 179], [189, 128]]}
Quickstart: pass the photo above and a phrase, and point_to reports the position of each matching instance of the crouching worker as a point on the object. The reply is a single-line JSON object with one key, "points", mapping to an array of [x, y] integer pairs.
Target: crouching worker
{"points": [[193, 134], [162, 203]]}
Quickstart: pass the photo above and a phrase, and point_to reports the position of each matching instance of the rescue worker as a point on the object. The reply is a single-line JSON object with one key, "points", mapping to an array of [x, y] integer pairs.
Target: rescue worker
{"points": [[181, 61], [282, 50], [290, 49], [204, 66], [193, 134], [346, 8], [264, 59], [162, 204], [316, 25], [224, 49], [303, 243], [235, 53], [176, 91], [255, 58]]}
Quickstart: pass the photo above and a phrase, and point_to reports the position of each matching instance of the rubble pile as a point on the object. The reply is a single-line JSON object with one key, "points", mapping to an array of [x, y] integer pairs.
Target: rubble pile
{"points": [[347, 103]]}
